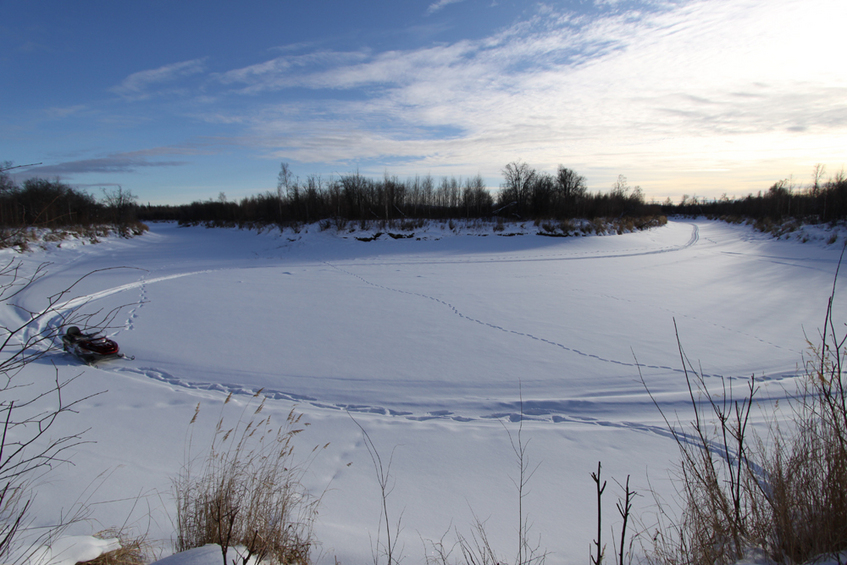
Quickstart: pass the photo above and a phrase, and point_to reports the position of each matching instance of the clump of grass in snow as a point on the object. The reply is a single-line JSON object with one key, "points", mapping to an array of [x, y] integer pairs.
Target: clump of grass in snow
{"points": [[247, 494], [133, 550]]}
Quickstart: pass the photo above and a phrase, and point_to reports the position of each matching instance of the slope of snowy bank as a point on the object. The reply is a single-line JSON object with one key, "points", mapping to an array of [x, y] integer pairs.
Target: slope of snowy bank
{"points": [[435, 346]]}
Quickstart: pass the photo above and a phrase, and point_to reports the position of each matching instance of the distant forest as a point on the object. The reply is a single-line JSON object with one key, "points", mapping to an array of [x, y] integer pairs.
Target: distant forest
{"points": [[54, 204], [526, 194]]}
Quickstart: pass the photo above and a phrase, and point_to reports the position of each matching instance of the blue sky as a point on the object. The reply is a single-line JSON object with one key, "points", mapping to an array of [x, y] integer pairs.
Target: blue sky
{"points": [[181, 100]]}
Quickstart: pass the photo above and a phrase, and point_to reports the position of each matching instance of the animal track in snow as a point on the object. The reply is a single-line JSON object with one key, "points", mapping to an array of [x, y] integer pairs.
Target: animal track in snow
{"points": [[463, 316]]}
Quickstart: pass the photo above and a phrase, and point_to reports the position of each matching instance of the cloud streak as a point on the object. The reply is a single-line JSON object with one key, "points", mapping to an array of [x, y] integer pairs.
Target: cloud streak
{"points": [[561, 87], [656, 90], [436, 6], [115, 163], [137, 85]]}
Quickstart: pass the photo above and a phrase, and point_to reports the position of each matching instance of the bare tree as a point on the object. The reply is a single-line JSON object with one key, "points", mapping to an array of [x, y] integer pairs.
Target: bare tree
{"points": [[528, 554], [519, 178], [6, 182], [286, 187], [121, 202], [570, 184], [817, 176], [283, 180], [476, 200], [621, 187], [29, 444]]}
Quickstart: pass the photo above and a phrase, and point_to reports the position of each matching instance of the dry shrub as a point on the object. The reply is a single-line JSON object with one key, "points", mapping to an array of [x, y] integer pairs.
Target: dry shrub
{"points": [[21, 238], [599, 226], [411, 224], [714, 480], [131, 229], [804, 502], [784, 495], [647, 222], [133, 550], [628, 224], [561, 228], [776, 228], [765, 225], [248, 494]]}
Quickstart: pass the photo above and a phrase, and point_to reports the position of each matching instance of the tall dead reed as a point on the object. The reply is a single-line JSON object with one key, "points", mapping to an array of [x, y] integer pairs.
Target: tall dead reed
{"points": [[784, 494], [247, 494]]}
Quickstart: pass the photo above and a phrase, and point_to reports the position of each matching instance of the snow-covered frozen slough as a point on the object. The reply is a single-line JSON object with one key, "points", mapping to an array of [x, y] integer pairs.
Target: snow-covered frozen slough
{"points": [[433, 346]]}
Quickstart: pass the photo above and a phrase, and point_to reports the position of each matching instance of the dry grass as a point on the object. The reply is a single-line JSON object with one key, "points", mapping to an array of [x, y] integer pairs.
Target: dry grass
{"points": [[23, 239], [804, 503], [784, 495], [133, 550], [247, 494], [561, 228]]}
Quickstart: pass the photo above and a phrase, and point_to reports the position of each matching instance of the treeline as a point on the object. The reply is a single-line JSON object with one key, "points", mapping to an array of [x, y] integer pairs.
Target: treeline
{"points": [[820, 201], [526, 194], [53, 204]]}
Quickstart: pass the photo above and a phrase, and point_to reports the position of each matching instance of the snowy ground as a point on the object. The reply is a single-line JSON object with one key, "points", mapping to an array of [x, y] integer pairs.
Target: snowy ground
{"points": [[430, 343]]}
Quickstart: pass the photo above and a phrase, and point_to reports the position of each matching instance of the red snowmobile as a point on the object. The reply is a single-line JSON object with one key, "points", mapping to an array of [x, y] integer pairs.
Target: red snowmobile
{"points": [[91, 348]]}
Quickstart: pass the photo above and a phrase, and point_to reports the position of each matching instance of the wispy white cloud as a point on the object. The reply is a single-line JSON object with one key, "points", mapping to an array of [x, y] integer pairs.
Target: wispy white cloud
{"points": [[288, 71], [630, 91], [436, 6], [138, 85], [660, 94]]}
